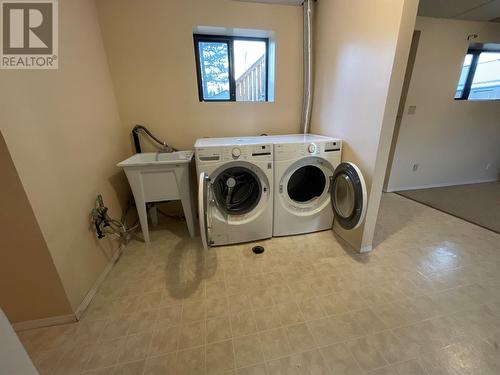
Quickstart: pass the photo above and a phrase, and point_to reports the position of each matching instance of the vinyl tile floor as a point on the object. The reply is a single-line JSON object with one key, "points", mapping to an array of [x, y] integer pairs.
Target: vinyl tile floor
{"points": [[425, 301]]}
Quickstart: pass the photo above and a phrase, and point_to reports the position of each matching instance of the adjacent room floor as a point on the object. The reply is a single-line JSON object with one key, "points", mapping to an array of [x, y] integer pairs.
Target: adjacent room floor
{"points": [[426, 301], [476, 203]]}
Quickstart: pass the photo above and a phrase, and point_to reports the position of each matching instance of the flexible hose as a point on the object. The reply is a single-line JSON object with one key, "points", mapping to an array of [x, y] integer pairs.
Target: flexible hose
{"points": [[151, 135]]}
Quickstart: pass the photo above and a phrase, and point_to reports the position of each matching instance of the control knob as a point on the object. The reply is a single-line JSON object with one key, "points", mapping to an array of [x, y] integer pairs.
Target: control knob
{"points": [[311, 148], [236, 152]]}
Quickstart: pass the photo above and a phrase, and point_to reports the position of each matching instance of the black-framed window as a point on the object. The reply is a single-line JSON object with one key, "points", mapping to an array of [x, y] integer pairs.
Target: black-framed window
{"points": [[232, 68], [480, 76]]}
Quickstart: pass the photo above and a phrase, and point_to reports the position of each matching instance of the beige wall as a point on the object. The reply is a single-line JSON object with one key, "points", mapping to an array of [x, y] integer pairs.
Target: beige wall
{"points": [[30, 287], [452, 141], [151, 54], [360, 61], [64, 133]]}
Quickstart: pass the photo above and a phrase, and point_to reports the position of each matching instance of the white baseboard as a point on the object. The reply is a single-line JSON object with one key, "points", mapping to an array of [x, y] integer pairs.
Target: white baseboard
{"points": [[92, 292], [430, 186], [45, 322], [70, 318]]}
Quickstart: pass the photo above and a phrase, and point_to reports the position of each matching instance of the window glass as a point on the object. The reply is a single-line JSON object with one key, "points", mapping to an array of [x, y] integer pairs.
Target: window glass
{"points": [[214, 62], [250, 70], [232, 68], [486, 82], [463, 76]]}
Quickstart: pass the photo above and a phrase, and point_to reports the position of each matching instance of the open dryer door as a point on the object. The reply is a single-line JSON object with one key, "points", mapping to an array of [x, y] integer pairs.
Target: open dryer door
{"points": [[205, 207], [348, 195]]}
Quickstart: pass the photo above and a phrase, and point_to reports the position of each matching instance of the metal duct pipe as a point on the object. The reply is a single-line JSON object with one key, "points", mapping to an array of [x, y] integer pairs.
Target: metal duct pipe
{"points": [[308, 65]]}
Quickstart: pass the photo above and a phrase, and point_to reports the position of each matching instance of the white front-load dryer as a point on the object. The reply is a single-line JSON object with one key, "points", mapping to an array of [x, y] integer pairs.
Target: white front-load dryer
{"points": [[235, 196], [313, 187]]}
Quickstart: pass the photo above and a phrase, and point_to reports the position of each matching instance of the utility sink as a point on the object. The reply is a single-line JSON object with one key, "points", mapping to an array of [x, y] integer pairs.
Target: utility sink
{"points": [[157, 177], [152, 158]]}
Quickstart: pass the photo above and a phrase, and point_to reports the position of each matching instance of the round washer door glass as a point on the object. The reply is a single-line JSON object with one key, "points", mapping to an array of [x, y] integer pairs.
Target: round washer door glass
{"points": [[348, 196], [237, 190], [306, 183]]}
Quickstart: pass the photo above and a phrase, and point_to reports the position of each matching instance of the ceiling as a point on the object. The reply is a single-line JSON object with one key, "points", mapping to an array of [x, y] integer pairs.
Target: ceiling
{"points": [[474, 10], [283, 2]]}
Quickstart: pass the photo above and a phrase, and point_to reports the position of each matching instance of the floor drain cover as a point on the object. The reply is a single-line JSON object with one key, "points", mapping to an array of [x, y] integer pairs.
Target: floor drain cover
{"points": [[258, 249]]}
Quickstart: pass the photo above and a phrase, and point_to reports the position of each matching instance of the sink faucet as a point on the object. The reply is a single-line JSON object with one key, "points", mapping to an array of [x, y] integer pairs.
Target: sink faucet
{"points": [[166, 148], [135, 133]]}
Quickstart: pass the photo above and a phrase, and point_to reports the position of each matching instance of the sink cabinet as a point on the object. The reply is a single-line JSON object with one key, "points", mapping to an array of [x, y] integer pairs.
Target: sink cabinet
{"points": [[157, 177]]}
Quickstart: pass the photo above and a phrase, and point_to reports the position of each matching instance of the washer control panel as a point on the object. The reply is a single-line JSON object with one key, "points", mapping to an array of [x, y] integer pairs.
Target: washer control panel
{"points": [[240, 152]]}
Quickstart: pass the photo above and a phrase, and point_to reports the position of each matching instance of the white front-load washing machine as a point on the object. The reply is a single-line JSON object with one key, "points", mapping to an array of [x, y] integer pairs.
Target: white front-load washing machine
{"points": [[235, 192], [313, 187]]}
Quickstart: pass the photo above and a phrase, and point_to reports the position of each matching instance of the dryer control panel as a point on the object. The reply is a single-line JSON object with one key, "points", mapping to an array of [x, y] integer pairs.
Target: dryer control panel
{"points": [[324, 149], [236, 152]]}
